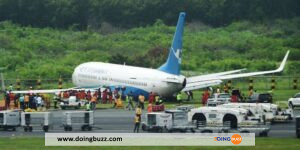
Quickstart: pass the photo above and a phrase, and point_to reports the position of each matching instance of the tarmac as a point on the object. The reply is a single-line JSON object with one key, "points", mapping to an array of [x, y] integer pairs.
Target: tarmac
{"points": [[122, 121]]}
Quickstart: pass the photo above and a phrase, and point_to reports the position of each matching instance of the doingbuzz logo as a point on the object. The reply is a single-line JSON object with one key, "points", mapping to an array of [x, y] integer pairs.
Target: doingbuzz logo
{"points": [[235, 139]]}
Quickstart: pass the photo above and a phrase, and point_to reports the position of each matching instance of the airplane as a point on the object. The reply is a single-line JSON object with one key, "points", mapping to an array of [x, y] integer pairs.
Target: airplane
{"points": [[164, 81]]}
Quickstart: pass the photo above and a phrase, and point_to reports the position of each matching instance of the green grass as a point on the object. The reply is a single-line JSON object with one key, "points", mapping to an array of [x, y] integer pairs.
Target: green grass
{"points": [[34, 143]]}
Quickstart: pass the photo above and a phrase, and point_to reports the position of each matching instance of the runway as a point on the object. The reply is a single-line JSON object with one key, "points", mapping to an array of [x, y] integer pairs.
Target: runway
{"points": [[122, 121]]}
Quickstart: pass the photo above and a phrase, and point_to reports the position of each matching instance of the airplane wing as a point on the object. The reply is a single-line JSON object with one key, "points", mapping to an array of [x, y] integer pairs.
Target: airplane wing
{"points": [[51, 91], [198, 82], [199, 78], [39, 91]]}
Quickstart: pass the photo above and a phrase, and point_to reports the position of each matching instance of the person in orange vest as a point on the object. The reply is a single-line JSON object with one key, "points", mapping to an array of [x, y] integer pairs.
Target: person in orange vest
{"points": [[93, 102], [149, 108]]}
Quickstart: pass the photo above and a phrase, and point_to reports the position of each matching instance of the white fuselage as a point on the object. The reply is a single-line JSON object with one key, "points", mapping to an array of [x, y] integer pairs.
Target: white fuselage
{"points": [[135, 79]]}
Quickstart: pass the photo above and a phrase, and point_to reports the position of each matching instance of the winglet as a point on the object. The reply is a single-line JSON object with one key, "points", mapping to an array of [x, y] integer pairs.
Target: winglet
{"points": [[283, 62]]}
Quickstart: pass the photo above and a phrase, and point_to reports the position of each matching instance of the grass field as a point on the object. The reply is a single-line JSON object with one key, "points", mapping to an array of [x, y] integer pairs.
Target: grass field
{"points": [[33, 143]]}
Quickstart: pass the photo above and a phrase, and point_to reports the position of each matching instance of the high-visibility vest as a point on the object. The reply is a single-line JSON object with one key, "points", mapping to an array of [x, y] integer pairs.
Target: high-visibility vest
{"points": [[179, 97], [88, 106], [138, 111], [136, 119]]}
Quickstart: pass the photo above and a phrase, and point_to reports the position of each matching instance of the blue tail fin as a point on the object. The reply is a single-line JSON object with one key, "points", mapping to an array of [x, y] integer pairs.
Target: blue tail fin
{"points": [[172, 65]]}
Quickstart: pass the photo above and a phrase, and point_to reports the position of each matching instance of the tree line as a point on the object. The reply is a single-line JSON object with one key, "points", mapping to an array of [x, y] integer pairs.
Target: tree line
{"points": [[92, 14]]}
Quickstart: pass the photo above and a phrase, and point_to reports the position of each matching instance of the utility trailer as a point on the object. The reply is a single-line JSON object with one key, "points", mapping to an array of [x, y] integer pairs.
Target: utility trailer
{"points": [[168, 121], [9, 119], [247, 127], [36, 119], [84, 119]]}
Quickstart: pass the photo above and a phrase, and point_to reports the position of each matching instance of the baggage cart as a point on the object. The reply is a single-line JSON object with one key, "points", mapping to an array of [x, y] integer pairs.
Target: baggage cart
{"points": [[36, 119], [168, 121], [9, 119], [83, 119], [246, 127]]}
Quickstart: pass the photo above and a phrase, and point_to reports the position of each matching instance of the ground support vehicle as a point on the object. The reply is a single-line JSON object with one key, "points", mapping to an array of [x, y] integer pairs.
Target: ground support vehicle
{"points": [[269, 112], [9, 119], [84, 119], [71, 102], [218, 99], [246, 127], [36, 119], [167, 121], [223, 119]]}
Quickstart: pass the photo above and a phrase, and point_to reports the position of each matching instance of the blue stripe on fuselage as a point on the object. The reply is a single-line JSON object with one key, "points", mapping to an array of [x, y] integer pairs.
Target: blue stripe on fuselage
{"points": [[135, 91]]}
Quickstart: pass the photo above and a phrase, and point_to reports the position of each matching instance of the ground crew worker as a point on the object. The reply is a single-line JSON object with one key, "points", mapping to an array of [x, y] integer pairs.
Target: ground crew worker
{"points": [[88, 106], [158, 100], [22, 104], [93, 103], [123, 95], [89, 96], [117, 96], [141, 101], [26, 101], [110, 96], [104, 96], [129, 99], [149, 108], [137, 120], [151, 97], [11, 88], [205, 97], [12, 98], [55, 99], [138, 111], [250, 93], [16, 100], [179, 98], [226, 88]]}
